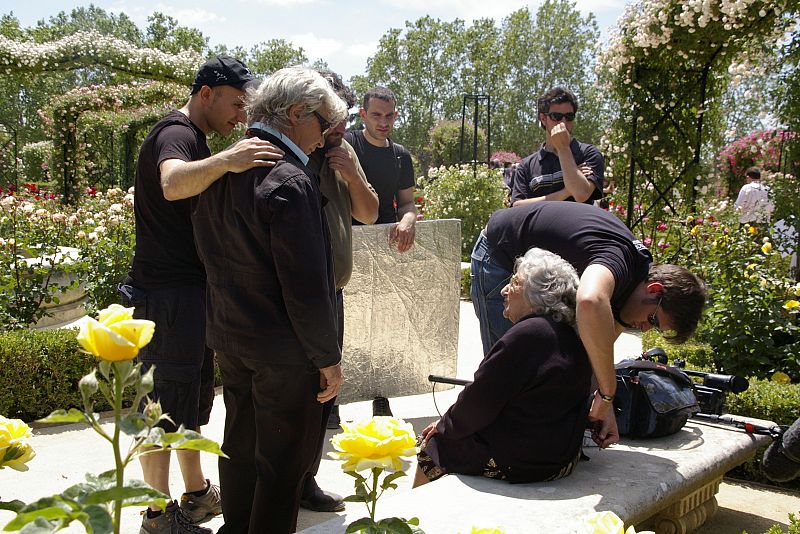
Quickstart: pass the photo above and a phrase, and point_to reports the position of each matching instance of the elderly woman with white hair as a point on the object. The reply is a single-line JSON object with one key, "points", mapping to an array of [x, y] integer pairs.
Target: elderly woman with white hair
{"points": [[523, 417], [271, 310]]}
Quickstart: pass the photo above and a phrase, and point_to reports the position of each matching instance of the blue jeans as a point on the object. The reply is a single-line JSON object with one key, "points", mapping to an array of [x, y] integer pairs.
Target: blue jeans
{"points": [[488, 279]]}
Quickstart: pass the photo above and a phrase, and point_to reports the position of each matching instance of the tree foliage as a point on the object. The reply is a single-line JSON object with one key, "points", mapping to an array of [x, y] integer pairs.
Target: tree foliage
{"points": [[432, 64]]}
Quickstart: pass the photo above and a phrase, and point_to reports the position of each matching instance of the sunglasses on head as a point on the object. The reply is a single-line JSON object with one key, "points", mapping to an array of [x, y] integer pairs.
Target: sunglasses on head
{"points": [[323, 122], [557, 115], [653, 320]]}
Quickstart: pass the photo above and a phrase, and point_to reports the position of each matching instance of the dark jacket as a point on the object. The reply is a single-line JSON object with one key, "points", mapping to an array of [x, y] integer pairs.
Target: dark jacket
{"points": [[526, 408], [264, 241]]}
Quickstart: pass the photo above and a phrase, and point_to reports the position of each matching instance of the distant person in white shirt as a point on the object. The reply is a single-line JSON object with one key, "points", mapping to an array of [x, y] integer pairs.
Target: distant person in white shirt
{"points": [[753, 204]]}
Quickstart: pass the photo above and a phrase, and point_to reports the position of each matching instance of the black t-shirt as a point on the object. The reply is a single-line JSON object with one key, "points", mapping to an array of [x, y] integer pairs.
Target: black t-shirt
{"points": [[540, 173], [388, 169], [165, 251], [581, 234]]}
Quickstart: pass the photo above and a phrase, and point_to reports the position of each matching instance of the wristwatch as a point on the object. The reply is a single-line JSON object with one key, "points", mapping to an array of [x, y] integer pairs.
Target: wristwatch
{"points": [[607, 398]]}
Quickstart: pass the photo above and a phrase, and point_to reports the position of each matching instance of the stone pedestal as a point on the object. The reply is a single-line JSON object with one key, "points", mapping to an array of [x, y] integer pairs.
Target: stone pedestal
{"points": [[71, 304], [401, 311]]}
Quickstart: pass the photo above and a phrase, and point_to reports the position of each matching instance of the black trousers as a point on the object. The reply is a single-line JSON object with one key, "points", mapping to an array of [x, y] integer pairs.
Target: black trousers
{"points": [[327, 407], [271, 437]]}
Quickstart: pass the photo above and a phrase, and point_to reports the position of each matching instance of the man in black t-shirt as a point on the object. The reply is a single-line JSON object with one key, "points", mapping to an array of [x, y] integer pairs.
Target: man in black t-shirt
{"points": [[563, 168], [166, 283], [389, 170], [388, 165], [619, 286]]}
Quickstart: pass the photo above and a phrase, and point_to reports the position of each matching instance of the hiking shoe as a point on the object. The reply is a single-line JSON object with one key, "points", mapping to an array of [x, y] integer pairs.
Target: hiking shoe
{"points": [[380, 406], [333, 419], [170, 521], [204, 508]]}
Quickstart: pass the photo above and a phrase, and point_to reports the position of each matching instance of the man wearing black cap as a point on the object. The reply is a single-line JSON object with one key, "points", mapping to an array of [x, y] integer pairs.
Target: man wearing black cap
{"points": [[166, 283]]}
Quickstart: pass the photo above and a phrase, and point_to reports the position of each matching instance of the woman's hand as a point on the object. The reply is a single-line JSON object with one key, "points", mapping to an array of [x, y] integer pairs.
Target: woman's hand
{"points": [[429, 431]]}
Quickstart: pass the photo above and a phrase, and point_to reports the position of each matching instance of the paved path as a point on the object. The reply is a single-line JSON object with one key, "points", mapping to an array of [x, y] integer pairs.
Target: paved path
{"points": [[66, 453]]}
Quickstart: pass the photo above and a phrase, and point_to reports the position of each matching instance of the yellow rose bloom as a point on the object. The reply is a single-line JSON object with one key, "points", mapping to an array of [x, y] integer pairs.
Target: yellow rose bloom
{"points": [[766, 248], [694, 231], [116, 336], [752, 230], [780, 377], [607, 523], [15, 451], [377, 442], [476, 530], [791, 305]]}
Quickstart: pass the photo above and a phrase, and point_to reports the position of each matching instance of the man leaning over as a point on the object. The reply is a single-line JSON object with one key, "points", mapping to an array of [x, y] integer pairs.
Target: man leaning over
{"points": [[166, 283]]}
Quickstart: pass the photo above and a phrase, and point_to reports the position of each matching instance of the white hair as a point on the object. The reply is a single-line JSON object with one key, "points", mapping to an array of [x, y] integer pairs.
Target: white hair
{"points": [[549, 284], [270, 101]]}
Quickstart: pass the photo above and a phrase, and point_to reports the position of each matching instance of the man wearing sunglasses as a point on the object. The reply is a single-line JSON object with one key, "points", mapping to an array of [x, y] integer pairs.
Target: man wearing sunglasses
{"points": [[619, 285], [563, 168]]}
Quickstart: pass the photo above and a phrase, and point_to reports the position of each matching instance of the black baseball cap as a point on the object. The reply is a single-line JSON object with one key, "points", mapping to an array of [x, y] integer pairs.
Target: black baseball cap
{"points": [[223, 70]]}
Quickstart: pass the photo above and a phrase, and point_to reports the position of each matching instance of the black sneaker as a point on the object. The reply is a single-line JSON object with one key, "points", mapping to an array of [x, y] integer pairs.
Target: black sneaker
{"points": [[170, 521], [319, 500], [380, 406], [333, 419]]}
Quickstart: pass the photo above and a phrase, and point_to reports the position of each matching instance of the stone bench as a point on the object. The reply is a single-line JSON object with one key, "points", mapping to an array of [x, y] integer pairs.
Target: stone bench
{"points": [[667, 485]]}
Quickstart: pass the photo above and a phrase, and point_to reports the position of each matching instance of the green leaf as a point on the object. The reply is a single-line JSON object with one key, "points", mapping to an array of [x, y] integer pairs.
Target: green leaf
{"points": [[365, 523], [42, 526], [97, 519], [131, 495], [387, 482], [13, 506], [395, 525], [133, 424], [62, 416], [202, 444], [46, 513], [355, 498]]}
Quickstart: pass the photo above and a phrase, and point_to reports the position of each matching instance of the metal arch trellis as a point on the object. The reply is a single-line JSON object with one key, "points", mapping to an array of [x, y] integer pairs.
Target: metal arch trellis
{"points": [[476, 99], [695, 92]]}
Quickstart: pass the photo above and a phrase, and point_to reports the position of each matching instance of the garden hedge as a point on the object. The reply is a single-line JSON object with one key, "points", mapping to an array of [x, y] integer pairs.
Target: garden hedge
{"points": [[41, 370]]}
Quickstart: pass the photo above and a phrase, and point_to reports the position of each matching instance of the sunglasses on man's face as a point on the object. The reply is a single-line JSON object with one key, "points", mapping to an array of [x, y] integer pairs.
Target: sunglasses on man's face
{"points": [[323, 122], [653, 319], [557, 115]]}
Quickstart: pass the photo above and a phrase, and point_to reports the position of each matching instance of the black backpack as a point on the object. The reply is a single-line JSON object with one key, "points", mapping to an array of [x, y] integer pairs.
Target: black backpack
{"points": [[652, 399]]}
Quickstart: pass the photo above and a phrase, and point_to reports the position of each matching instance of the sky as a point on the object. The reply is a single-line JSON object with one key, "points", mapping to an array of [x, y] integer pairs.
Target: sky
{"points": [[344, 33]]}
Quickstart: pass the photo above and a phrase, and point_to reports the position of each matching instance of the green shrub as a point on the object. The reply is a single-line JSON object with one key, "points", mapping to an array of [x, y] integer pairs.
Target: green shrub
{"points": [[445, 143], [794, 527], [696, 354], [461, 192], [41, 370], [466, 283]]}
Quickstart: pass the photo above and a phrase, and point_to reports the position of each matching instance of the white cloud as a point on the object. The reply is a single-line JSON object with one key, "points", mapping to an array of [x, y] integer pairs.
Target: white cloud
{"points": [[315, 46], [362, 50], [192, 17], [285, 3]]}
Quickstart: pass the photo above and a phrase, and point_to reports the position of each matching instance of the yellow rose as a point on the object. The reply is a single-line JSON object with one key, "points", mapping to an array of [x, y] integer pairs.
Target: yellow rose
{"points": [[15, 451], [377, 442], [752, 230], [117, 336], [607, 523], [476, 530], [791, 305], [766, 248], [780, 377], [694, 231]]}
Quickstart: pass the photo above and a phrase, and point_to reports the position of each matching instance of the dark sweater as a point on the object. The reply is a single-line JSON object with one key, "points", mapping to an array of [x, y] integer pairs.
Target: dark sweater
{"points": [[526, 408]]}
